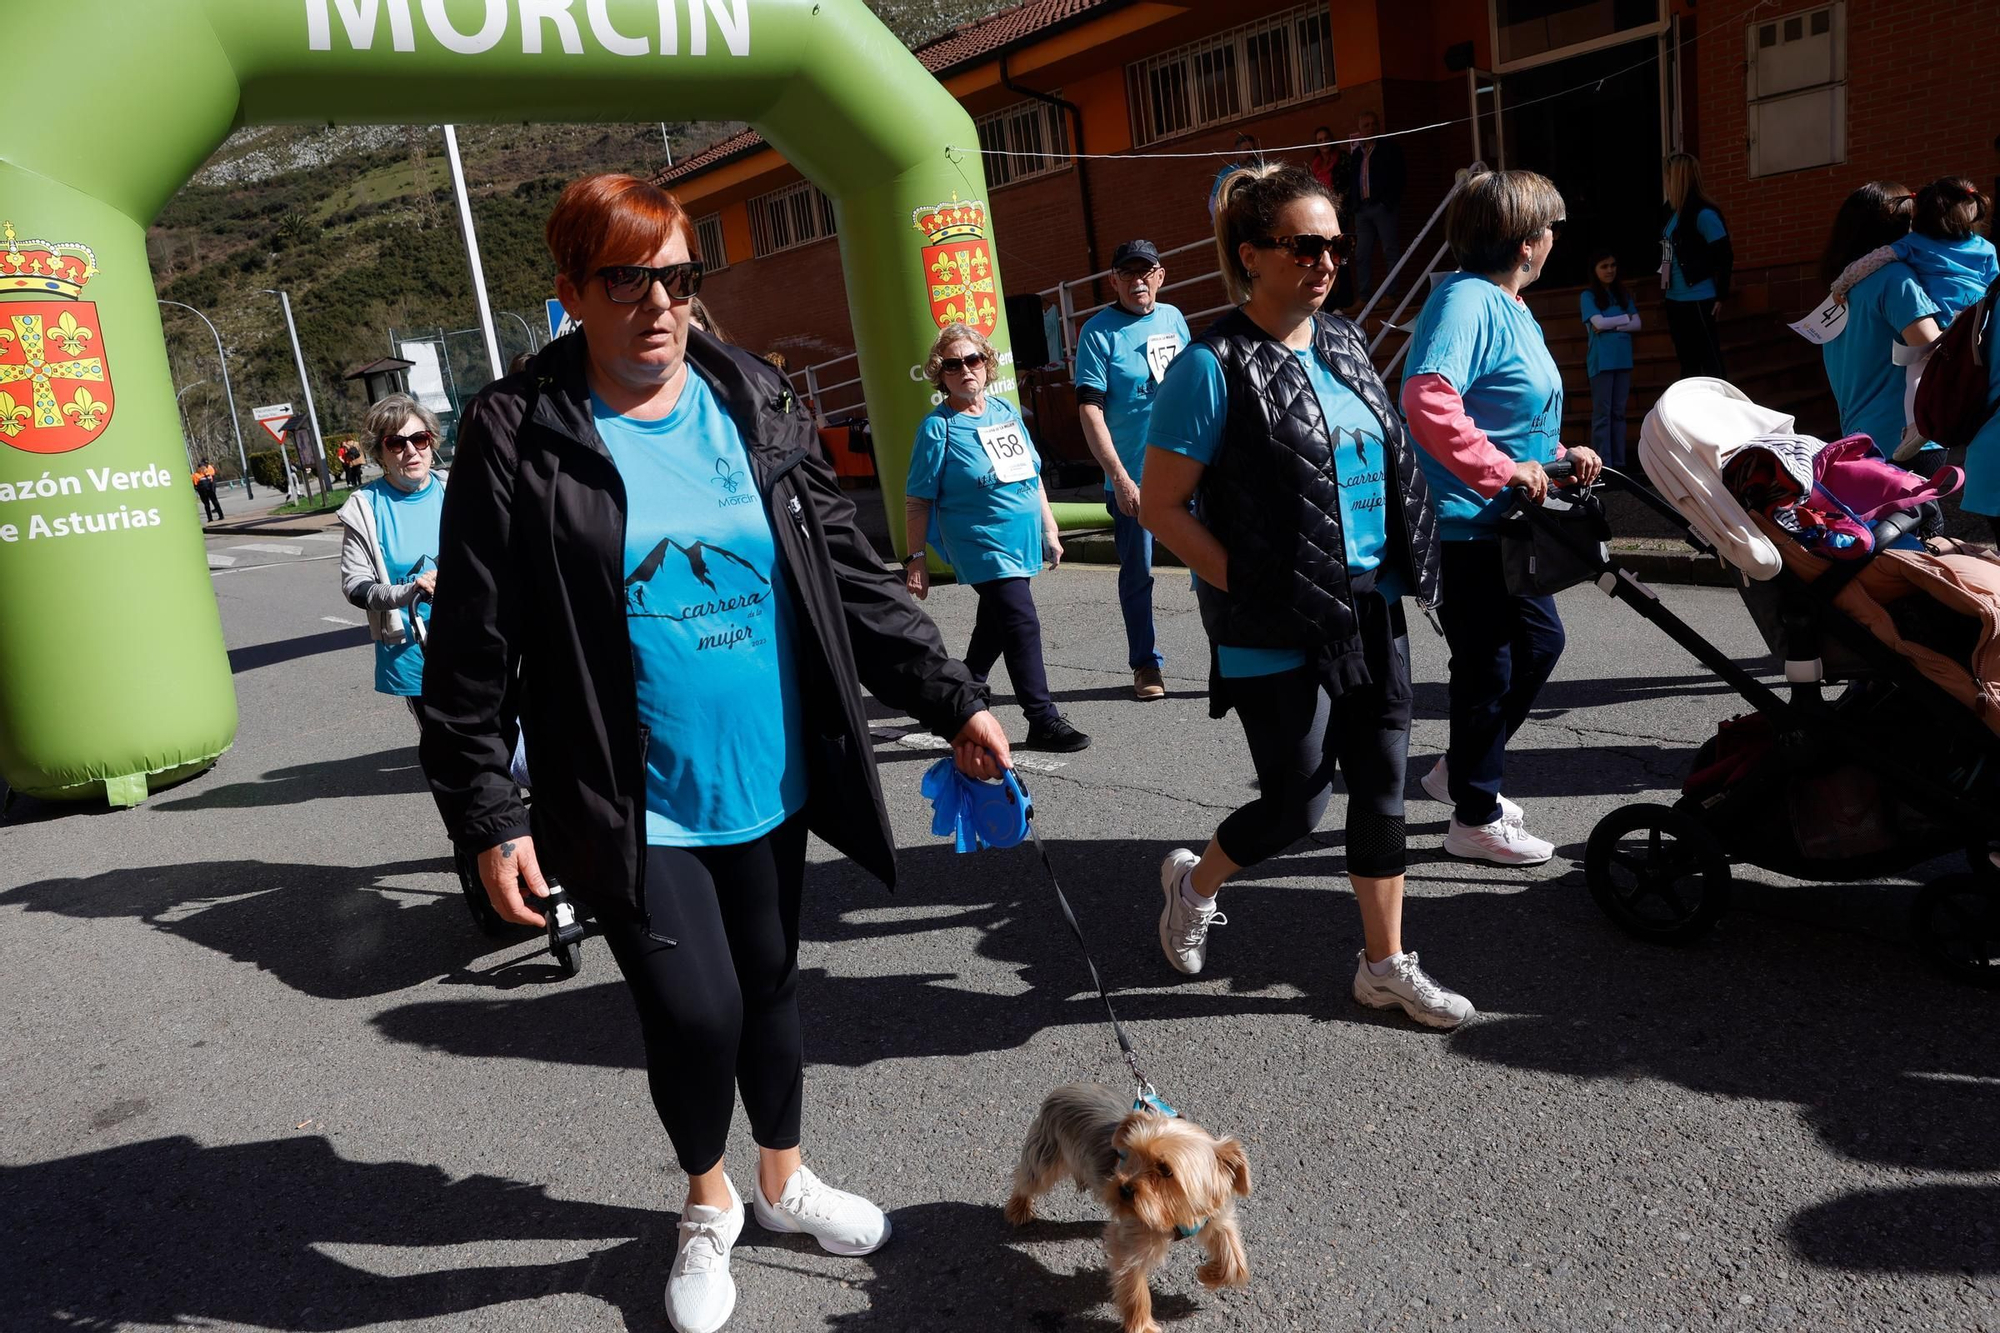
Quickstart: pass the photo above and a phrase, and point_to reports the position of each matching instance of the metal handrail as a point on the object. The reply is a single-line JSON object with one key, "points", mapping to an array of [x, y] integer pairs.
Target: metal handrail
{"points": [[1368, 308]]}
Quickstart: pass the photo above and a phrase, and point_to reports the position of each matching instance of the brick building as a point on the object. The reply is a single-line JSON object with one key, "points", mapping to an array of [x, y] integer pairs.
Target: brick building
{"points": [[1790, 103]]}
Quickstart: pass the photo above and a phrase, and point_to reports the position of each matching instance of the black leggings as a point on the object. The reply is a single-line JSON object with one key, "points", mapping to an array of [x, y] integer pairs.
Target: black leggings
{"points": [[1007, 626], [719, 1007], [1696, 342], [1298, 735]]}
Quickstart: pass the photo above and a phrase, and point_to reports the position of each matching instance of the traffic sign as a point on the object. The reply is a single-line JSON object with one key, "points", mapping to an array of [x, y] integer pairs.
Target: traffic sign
{"points": [[274, 419], [559, 320]]}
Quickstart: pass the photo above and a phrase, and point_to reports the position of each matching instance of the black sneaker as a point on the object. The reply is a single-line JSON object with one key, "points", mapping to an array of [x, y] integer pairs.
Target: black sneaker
{"points": [[1056, 735]]}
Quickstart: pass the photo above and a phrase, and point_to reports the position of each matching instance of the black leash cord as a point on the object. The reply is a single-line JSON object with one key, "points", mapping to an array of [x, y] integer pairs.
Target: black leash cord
{"points": [[1062, 901]]}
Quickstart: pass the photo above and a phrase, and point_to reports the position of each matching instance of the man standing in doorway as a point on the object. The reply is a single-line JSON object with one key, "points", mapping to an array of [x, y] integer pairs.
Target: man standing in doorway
{"points": [[1375, 193], [1122, 354]]}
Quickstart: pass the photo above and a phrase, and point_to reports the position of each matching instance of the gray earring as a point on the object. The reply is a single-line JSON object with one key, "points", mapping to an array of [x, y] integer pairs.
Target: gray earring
{"points": [[1527, 268]]}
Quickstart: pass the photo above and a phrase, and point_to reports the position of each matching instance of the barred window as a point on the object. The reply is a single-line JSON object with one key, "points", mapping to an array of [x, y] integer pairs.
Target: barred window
{"points": [[789, 217], [1024, 140], [708, 241], [1259, 67], [1797, 84]]}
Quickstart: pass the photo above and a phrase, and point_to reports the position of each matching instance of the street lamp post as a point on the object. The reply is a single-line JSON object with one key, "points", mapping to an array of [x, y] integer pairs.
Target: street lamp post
{"points": [[242, 458], [312, 412]]}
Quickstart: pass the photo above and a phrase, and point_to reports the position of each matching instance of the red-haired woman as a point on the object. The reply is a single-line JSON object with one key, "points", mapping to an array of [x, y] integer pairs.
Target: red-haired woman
{"points": [[644, 556]]}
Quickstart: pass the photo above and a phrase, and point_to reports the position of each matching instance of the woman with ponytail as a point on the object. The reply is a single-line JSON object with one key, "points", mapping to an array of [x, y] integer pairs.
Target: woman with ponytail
{"points": [[1278, 470]]}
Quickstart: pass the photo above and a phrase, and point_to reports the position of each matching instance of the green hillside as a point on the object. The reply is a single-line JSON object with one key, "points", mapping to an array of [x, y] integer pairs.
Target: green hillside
{"points": [[359, 226]]}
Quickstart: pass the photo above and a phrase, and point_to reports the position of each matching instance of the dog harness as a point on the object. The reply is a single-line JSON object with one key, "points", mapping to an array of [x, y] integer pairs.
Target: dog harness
{"points": [[1149, 1100]]}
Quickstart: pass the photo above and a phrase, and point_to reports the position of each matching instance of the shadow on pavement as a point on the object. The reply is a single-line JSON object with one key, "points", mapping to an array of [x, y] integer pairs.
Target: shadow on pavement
{"points": [[336, 932], [168, 1233], [290, 650], [1945, 1229], [384, 773], [959, 1265]]}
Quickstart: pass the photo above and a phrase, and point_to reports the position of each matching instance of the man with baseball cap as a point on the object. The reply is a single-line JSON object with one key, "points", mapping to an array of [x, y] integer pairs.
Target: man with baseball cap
{"points": [[1121, 357]]}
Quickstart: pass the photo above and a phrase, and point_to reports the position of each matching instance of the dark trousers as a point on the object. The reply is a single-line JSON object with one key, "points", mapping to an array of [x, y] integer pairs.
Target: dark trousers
{"points": [[1298, 737], [1503, 649], [1696, 342], [211, 503], [1008, 626], [719, 1007]]}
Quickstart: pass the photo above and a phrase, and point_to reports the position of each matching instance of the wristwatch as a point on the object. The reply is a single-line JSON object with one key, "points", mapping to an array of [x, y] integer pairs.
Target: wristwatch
{"points": [[914, 556]]}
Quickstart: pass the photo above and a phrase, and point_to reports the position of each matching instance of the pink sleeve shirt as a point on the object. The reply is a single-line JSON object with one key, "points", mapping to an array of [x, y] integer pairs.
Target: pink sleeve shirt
{"points": [[1443, 430]]}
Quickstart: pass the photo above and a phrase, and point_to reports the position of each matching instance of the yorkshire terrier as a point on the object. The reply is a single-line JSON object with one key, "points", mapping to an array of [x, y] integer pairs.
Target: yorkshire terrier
{"points": [[1162, 1177]]}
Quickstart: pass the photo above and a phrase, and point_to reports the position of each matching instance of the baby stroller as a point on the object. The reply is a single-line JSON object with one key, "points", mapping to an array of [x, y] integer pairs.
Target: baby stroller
{"points": [[1868, 764]]}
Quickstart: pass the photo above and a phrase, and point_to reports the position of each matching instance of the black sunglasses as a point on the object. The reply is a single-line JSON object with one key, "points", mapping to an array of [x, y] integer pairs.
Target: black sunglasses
{"points": [[954, 364], [1556, 227], [420, 441], [1306, 247], [628, 284]]}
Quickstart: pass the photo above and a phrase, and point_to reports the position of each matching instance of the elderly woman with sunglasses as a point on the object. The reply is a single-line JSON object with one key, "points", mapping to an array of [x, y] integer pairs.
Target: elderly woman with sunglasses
{"points": [[645, 556], [1485, 402], [974, 491], [1278, 470], [389, 542]]}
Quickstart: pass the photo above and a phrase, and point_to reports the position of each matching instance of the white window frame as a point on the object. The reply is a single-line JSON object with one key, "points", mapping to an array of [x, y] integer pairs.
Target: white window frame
{"points": [[1622, 37], [1832, 91], [709, 240], [1216, 79], [1025, 127], [789, 217]]}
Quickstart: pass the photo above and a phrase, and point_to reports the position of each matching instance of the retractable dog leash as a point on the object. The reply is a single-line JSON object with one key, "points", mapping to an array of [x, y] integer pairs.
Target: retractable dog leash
{"points": [[1002, 814]]}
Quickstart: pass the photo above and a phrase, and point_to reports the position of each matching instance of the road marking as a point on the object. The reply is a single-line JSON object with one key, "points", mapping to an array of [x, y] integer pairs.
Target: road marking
{"points": [[341, 620], [270, 548], [923, 740], [271, 564], [317, 537], [220, 561]]}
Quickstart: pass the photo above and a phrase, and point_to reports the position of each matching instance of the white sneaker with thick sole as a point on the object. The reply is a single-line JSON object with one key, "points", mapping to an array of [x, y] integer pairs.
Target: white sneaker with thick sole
{"points": [[1437, 786], [1184, 929], [700, 1293], [1504, 842], [1411, 989], [842, 1223]]}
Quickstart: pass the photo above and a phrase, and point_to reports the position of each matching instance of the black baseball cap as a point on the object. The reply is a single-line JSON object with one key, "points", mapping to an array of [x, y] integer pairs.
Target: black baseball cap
{"points": [[1132, 252]]}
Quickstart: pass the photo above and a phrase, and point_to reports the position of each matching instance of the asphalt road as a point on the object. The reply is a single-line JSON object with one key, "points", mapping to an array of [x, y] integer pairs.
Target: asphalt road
{"points": [[261, 1072]]}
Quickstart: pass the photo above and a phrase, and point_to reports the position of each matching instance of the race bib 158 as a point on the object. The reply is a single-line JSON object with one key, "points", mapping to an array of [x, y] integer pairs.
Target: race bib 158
{"points": [[1006, 445]]}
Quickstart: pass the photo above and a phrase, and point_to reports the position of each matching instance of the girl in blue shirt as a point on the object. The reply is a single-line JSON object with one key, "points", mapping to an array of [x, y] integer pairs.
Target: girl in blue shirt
{"points": [[1889, 318], [974, 491], [1303, 525], [1695, 265], [1610, 318]]}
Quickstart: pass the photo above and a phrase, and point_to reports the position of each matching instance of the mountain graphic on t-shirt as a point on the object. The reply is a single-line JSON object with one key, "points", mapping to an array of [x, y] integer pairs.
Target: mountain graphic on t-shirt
{"points": [[687, 589]]}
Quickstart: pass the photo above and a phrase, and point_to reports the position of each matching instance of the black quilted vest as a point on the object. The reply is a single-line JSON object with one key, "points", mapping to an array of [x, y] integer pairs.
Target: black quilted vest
{"points": [[1272, 499]]}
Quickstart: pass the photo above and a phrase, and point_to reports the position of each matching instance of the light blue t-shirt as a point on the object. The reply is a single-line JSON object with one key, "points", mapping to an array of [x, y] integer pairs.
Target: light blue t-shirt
{"points": [[1953, 273], [1709, 223], [984, 527], [709, 612], [1188, 419], [1608, 350], [1866, 382], [1487, 346], [1982, 459], [1125, 356], [406, 524]]}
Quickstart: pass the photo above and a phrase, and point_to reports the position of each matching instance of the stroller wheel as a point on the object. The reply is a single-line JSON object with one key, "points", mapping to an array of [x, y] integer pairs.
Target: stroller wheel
{"points": [[1956, 922], [476, 901], [1657, 873], [569, 957]]}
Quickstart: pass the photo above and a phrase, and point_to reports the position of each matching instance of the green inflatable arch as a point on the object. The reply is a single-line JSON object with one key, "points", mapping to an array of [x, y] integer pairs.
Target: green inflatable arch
{"points": [[113, 674]]}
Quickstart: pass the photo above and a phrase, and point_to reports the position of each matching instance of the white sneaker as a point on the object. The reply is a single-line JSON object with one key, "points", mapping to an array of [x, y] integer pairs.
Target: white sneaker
{"points": [[1184, 929], [700, 1293], [1437, 786], [1409, 988], [842, 1223], [1504, 842]]}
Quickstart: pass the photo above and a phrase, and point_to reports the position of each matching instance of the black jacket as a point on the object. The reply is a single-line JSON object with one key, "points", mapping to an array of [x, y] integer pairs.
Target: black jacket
{"points": [[1386, 174], [1700, 258], [531, 583], [1272, 497]]}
